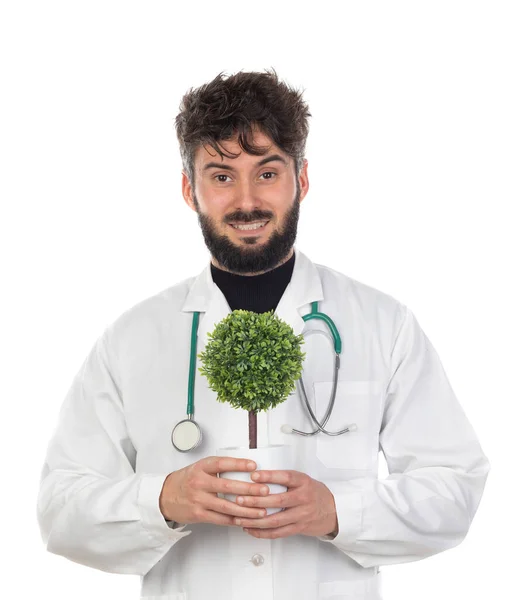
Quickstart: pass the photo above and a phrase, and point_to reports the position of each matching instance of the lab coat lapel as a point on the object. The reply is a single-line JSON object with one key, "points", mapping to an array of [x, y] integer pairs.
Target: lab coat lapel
{"points": [[304, 287], [206, 297]]}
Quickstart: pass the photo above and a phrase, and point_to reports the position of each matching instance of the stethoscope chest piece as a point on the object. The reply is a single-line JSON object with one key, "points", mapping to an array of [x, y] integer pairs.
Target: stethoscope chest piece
{"points": [[186, 435]]}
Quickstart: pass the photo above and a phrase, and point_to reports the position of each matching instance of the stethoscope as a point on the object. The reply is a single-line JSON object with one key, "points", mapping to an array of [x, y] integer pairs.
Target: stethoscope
{"points": [[187, 435]]}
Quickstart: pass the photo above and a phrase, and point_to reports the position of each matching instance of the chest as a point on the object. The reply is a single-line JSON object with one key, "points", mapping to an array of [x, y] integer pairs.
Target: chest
{"points": [[155, 394]]}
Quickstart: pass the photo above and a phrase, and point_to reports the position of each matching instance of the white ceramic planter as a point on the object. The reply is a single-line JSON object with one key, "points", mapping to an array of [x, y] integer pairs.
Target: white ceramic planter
{"points": [[267, 458]]}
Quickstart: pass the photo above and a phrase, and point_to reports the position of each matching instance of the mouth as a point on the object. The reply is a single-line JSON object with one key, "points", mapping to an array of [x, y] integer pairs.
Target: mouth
{"points": [[253, 228]]}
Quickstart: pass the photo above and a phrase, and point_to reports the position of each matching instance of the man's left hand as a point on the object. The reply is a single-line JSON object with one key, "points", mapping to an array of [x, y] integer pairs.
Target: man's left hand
{"points": [[309, 507]]}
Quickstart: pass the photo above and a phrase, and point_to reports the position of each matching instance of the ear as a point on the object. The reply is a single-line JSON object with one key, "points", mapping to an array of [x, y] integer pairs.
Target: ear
{"points": [[303, 180], [187, 191]]}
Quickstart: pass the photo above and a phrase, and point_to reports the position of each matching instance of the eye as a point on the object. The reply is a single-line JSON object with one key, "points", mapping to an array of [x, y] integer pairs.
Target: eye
{"points": [[269, 173], [221, 175]]}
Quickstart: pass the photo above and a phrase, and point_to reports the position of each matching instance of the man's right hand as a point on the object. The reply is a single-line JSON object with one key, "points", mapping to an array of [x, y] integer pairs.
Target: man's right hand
{"points": [[190, 494]]}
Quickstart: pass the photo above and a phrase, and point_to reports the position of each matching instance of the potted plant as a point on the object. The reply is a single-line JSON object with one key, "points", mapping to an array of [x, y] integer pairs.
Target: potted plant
{"points": [[252, 361]]}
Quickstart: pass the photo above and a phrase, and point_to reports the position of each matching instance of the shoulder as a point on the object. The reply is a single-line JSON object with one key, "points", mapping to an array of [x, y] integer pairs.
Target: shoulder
{"points": [[150, 316], [360, 295], [371, 311]]}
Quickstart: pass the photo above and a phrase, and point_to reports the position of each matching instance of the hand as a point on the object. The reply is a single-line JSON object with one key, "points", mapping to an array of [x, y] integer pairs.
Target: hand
{"points": [[309, 507], [189, 495]]}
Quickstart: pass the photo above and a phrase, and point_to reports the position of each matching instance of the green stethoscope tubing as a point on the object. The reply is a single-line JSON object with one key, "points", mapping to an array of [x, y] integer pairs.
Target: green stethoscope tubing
{"points": [[193, 363], [314, 314]]}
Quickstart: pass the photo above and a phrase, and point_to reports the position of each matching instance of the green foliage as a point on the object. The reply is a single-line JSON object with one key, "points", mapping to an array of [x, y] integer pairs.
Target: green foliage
{"points": [[252, 360]]}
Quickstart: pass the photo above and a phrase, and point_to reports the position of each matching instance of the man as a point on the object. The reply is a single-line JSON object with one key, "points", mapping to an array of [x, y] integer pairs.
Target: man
{"points": [[117, 496]]}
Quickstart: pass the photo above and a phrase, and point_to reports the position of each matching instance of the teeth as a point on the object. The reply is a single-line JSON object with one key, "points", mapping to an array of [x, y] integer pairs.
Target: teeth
{"points": [[253, 226]]}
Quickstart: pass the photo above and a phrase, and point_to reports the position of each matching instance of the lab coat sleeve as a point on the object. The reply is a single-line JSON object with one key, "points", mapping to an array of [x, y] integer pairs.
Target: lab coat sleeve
{"points": [[437, 469], [92, 507]]}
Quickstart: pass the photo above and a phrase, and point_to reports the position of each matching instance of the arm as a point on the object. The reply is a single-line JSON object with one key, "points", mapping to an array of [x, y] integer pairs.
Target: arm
{"points": [[437, 469], [92, 507]]}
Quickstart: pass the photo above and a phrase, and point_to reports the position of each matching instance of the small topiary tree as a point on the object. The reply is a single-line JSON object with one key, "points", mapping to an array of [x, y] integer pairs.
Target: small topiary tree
{"points": [[252, 361]]}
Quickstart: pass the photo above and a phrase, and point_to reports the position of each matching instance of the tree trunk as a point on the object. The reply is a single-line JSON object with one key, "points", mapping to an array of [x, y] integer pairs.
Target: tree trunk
{"points": [[252, 429]]}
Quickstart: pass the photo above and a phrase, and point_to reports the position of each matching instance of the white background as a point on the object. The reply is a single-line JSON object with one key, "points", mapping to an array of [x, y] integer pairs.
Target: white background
{"points": [[411, 165]]}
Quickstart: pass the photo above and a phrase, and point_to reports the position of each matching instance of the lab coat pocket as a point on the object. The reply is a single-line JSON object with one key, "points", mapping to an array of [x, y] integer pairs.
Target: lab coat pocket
{"points": [[353, 404]]}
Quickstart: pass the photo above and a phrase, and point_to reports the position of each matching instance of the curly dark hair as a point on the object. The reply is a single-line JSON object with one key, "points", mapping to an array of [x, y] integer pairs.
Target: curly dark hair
{"points": [[236, 105]]}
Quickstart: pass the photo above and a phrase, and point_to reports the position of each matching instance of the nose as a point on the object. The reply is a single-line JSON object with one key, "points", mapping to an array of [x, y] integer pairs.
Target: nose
{"points": [[247, 197]]}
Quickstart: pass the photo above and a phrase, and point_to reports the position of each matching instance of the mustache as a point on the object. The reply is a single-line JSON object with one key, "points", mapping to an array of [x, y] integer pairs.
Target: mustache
{"points": [[239, 218]]}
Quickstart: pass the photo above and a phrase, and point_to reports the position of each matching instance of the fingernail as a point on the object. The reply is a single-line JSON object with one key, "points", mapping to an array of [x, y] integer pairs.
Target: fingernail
{"points": [[264, 490], [239, 500], [255, 476], [251, 465], [238, 521]]}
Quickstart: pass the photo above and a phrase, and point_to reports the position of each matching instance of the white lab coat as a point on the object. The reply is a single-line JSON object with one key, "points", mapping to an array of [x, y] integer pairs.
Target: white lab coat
{"points": [[98, 503]]}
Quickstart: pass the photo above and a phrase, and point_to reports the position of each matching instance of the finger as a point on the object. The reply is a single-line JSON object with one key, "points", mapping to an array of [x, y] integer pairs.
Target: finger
{"points": [[233, 486], [212, 516], [279, 532], [287, 478], [232, 509], [281, 500], [279, 519], [220, 464]]}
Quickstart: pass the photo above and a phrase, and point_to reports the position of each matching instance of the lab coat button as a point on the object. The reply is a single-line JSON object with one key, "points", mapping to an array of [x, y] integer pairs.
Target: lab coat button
{"points": [[257, 559]]}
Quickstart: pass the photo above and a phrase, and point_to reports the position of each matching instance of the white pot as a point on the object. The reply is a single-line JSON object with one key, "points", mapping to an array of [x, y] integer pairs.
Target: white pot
{"points": [[267, 458]]}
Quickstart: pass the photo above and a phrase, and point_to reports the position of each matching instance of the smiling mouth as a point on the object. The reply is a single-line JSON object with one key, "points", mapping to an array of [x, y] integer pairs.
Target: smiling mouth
{"points": [[256, 226]]}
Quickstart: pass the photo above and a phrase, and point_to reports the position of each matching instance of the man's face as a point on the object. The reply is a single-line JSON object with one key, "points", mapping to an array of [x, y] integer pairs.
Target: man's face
{"points": [[243, 191]]}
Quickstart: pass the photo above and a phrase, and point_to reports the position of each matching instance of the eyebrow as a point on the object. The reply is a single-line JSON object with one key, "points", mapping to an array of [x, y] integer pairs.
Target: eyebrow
{"points": [[264, 161]]}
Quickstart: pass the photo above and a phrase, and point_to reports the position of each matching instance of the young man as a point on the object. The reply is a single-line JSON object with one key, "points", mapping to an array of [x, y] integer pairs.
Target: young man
{"points": [[117, 496]]}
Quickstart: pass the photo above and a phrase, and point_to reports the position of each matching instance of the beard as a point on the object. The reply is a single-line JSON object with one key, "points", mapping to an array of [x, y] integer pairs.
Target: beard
{"points": [[251, 256]]}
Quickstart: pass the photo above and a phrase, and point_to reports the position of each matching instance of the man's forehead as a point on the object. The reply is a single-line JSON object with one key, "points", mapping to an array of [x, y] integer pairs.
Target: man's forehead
{"points": [[206, 152]]}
